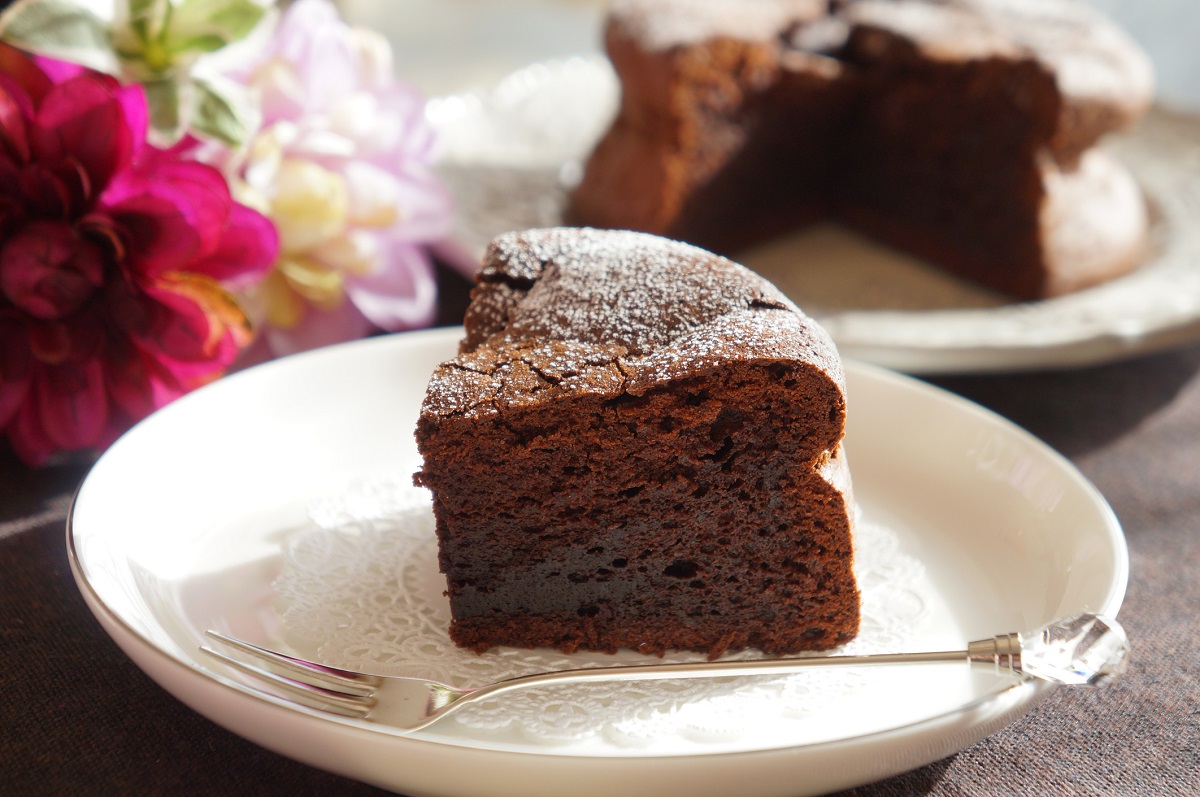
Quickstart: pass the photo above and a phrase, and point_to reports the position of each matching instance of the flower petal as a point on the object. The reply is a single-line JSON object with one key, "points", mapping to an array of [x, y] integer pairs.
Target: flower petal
{"points": [[44, 194], [71, 404], [196, 321], [427, 207], [137, 115], [47, 272], [309, 204], [280, 306], [280, 89], [356, 252], [16, 360], [159, 225], [27, 438], [313, 37], [402, 127], [320, 328], [13, 392], [374, 195], [313, 280], [50, 343], [139, 384], [18, 69], [14, 138], [84, 119], [59, 70], [206, 191], [248, 247], [402, 294]]}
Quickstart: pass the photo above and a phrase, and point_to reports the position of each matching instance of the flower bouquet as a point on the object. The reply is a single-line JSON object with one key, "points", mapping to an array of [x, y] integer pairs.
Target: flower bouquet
{"points": [[190, 185]]}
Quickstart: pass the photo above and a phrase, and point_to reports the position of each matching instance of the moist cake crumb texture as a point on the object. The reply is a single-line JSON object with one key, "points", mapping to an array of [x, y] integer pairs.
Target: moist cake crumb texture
{"points": [[638, 446]]}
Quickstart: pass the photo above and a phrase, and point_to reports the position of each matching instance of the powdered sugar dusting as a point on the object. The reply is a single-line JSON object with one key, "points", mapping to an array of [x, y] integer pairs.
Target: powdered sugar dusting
{"points": [[622, 288], [1091, 216], [1092, 58], [662, 24], [733, 336], [560, 310]]}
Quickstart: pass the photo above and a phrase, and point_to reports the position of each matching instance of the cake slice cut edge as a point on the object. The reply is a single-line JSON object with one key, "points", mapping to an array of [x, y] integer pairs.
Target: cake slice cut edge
{"points": [[684, 490]]}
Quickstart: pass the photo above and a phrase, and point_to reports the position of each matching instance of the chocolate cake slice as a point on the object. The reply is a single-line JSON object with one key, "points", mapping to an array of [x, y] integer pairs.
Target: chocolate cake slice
{"points": [[638, 446]]}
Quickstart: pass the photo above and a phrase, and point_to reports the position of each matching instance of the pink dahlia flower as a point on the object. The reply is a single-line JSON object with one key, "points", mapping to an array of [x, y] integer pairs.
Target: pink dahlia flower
{"points": [[115, 261], [342, 165]]}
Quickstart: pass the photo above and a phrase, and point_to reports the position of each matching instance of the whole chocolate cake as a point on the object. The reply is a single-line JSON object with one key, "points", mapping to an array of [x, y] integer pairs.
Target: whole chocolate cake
{"points": [[638, 446], [962, 131]]}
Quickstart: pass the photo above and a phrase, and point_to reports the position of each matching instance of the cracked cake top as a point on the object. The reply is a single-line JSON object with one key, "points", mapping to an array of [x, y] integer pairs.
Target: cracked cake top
{"points": [[563, 310]]}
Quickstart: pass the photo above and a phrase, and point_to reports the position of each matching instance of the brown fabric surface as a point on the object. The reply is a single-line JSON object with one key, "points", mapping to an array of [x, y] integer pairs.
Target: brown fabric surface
{"points": [[86, 721]]}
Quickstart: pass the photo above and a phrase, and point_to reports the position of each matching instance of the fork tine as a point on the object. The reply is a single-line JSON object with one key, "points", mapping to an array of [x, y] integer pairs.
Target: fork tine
{"points": [[314, 697], [318, 675]]}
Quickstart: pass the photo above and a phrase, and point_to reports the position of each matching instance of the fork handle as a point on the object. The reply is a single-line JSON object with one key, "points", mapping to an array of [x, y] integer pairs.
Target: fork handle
{"points": [[710, 669]]}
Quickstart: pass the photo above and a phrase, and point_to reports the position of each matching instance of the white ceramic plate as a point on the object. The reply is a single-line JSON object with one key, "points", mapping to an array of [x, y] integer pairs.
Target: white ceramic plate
{"points": [[511, 150], [179, 527]]}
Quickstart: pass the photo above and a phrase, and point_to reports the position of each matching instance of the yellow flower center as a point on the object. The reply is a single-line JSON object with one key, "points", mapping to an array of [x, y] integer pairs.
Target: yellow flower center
{"points": [[313, 280], [309, 205], [297, 283]]}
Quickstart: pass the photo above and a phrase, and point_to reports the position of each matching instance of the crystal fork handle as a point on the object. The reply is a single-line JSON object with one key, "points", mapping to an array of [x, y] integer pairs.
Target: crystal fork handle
{"points": [[1085, 650]]}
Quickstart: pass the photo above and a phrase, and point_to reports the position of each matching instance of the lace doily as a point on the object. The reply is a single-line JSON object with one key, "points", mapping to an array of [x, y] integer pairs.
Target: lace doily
{"points": [[360, 589]]}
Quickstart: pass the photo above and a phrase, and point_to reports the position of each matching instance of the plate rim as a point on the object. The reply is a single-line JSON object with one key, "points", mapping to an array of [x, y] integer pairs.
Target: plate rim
{"points": [[1024, 695]]}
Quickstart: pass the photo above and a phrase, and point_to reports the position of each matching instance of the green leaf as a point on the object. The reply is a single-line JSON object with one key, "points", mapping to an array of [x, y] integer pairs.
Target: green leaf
{"points": [[60, 29], [238, 17], [165, 99], [147, 8], [147, 18], [201, 26], [197, 45], [223, 111]]}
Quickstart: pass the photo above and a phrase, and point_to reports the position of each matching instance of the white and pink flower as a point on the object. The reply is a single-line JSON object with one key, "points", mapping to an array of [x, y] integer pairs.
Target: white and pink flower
{"points": [[343, 166]]}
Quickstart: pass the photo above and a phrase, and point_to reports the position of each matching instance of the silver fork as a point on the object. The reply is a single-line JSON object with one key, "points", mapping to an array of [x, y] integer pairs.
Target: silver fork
{"points": [[1086, 650]]}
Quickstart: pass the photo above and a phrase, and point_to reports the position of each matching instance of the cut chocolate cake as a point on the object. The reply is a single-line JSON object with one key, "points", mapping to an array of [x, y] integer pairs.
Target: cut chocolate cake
{"points": [[638, 446], [962, 131]]}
